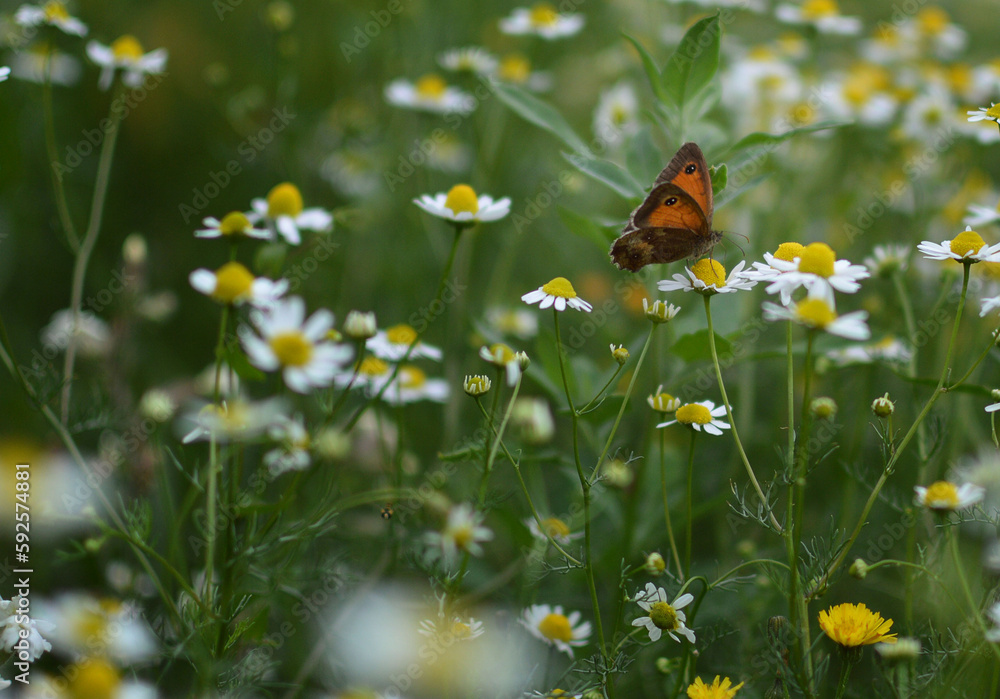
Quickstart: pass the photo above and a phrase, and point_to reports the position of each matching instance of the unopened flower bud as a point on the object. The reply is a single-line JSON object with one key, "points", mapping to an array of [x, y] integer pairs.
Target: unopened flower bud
{"points": [[659, 312], [620, 354], [665, 666], [617, 473], [663, 402], [995, 393], [883, 407], [523, 360], [824, 408], [134, 250], [360, 326], [777, 627], [477, 385], [859, 569], [655, 565]]}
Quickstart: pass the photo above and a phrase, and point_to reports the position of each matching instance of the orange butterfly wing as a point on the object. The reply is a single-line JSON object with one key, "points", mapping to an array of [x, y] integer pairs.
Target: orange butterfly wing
{"points": [[669, 206], [689, 171]]}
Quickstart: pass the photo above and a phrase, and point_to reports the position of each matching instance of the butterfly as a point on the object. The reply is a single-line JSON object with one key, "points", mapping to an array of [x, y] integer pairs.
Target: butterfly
{"points": [[675, 220]]}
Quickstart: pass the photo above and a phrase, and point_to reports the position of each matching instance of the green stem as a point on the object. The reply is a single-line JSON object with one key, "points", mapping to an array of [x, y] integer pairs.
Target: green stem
{"points": [[845, 672], [974, 610], [690, 507], [666, 505], [62, 205]]}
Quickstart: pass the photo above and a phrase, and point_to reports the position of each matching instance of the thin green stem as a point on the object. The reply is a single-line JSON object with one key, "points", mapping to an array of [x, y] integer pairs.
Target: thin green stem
{"points": [[690, 506], [666, 505], [62, 205], [974, 610], [604, 388], [845, 672]]}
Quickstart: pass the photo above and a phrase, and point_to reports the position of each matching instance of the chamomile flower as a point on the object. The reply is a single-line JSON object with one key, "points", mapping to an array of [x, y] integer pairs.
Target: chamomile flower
{"points": [[852, 625], [82, 622], [430, 94], [663, 402], [816, 268], [662, 615], [42, 59], [458, 629], [559, 294], [767, 271], [824, 15], [989, 305], [53, 13], [533, 419], [15, 624], [707, 277], [889, 349], [463, 533], [700, 416], [863, 94], [555, 528], [230, 421], [944, 496], [283, 209], [515, 69], [927, 115], [471, 59], [393, 343], [817, 314], [370, 374], [233, 284], [500, 355], [719, 689], [991, 113], [967, 247], [93, 335], [888, 259], [411, 385], [126, 53], [233, 225], [295, 345], [93, 677], [542, 20], [550, 625], [617, 114], [981, 215], [519, 322], [461, 204], [292, 454]]}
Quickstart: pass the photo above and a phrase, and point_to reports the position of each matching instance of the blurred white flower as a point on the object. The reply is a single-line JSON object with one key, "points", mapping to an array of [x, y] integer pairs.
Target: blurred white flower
{"points": [[430, 94], [126, 53], [284, 210], [542, 20], [93, 336]]}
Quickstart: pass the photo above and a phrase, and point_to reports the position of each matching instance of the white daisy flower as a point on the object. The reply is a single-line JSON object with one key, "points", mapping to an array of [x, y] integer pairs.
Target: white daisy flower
{"points": [[430, 94], [542, 20], [93, 335], [659, 311], [233, 420], [458, 629], [233, 284], [559, 294], [617, 113], [461, 205], [822, 14], [90, 676], [15, 624], [515, 68], [818, 314], [519, 322], [126, 53], [411, 385], [663, 616], [235, 224], [533, 419], [863, 94], [53, 13], [926, 114], [664, 402], [4, 73], [699, 416], [353, 170], [450, 155], [889, 349], [462, 533], [989, 305], [283, 209], [816, 268], [981, 215], [293, 452], [41, 58], [552, 626], [83, 622], [707, 276], [471, 59], [555, 528], [887, 259], [503, 356], [295, 345], [371, 374], [766, 271], [393, 343], [967, 246], [944, 496], [992, 113]]}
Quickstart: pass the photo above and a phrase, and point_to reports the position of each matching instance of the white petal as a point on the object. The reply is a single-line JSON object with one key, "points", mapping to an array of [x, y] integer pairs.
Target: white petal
{"points": [[203, 280]]}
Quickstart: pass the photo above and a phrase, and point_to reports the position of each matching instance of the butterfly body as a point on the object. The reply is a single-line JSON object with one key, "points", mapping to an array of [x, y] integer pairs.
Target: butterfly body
{"points": [[675, 220]]}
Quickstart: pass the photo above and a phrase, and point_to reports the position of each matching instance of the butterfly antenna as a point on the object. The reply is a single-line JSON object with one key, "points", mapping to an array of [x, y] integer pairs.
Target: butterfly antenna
{"points": [[737, 245]]}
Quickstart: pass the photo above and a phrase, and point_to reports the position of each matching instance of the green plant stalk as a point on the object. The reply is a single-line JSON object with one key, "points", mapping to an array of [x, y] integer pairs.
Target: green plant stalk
{"points": [[488, 466], [87, 247], [690, 507], [729, 415], [974, 611], [938, 392], [845, 672], [62, 205], [211, 494], [666, 505]]}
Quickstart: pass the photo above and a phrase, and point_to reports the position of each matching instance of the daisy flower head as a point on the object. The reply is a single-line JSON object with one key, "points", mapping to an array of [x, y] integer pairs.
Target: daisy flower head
{"points": [[515, 69], [462, 205], [818, 314], [477, 385], [889, 349], [944, 496], [230, 421], [91, 334], [292, 454], [52, 13], [550, 625], [663, 402], [360, 326], [42, 61], [559, 294], [233, 284], [412, 385], [518, 322], [617, 113], [233, 225], [989, 305], [708, 277], [967, 247], [824, 15], [15, 624], [816, 268], [979, 215], [126, 53], [430, 94], [283, 209], [991, 113], [542, 20], [662, 615], [295, 345], [458, 629], [767, 271], [533, 419], [553, 527], [471, 59], [886, 260], [370, 374], [659, 311], [700, 416], [393, 343], [503, 356], [852, 625], [721, 688], [463, 533]]}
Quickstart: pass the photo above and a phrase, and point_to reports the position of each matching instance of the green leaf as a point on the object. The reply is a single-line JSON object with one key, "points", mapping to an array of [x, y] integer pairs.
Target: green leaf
{"points": [[583, 227], [235, 358], [694, 64], [720, 177], [759, 138], [693, 347], [652, 72], [643, 157], [608, 173], [540, 114]]}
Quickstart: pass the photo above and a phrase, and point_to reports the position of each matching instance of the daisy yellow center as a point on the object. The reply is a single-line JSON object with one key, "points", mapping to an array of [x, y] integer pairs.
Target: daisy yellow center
{"points": [[933, 20], [55, 11], [818, 259], [502, 353], [93, 679], [461, 630], [852, 625], [966, 243], [431, 86], [663, 616], [90, 627], [994, 113], [693, 414], [462, 198], [372, 366], [544, 14], [815, 313], [232, 281], [292, 348], [760, 53], [556, 627], [960, 77], [463, 536], [412, 377], [942, 495], [710, 271], [619, 114], [816, 9], [234, 223], [990, 270], [127, 47], [662, 402], [284, 200], [788, 251], [555, 527], [401, 334], [514, 68], [560, 286]]}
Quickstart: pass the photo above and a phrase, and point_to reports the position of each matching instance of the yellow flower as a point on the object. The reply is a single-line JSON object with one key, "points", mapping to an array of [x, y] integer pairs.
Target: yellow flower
{"points": [[717, 690], [853, 625]]}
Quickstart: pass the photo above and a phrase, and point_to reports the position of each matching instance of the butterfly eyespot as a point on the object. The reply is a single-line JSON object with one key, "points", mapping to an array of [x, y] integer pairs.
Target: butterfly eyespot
{"points": [[691, 168], [671, 201]]}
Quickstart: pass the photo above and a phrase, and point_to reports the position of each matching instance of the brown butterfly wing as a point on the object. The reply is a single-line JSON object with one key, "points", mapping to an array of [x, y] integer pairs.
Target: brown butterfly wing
{"points": [[645, 246], [689, 171], [670, 206]]}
